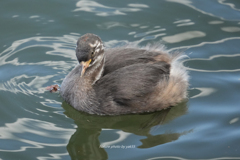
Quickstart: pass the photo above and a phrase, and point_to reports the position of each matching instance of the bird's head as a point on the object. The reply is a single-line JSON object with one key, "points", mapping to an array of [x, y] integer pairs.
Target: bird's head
{"points": [[89, 51]]}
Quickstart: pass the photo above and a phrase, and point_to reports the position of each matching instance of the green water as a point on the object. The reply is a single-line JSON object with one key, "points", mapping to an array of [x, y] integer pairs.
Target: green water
{"points": [[37, 43]]}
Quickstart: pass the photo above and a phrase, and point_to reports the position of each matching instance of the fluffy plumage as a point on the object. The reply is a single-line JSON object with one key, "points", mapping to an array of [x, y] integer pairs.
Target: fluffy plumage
{"points": [[124, 80]]}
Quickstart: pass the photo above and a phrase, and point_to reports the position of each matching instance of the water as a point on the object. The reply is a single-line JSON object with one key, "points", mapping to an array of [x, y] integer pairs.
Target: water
{"points": [[37, 45]]}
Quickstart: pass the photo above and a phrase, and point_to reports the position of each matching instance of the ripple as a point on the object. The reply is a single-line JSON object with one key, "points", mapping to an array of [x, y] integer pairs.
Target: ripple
{"points": [[135, 25], [148, 32], [216, 63], [215, 22], [25, 69], [122, 137], [233, 6], [109, 25], [234, 120], [231, 29], [204, 92], [138, 5], [183, 36], [62, 46], [34, 16], [103, 10], [184, 22], [24, 131], [15, 16], [225, 40], [131, 33], [54, 156], [205, 7]]}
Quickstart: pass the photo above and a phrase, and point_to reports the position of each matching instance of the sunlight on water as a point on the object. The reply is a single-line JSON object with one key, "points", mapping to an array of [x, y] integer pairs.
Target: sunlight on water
{"points": [[184, 36], [23, 71], [21, 131], [38, 50], [102, 10], [122, 136]]}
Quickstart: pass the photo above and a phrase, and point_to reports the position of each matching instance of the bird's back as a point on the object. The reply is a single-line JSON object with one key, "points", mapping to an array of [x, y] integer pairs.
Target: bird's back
{"points": [[116, 58], [128, 89]]}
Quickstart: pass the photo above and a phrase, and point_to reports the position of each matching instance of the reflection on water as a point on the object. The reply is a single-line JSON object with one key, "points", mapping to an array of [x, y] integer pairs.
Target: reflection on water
{"points": [[25, 132], [103, 10], [90, 127], [202, 6], [18, 74], [231, 29], [37, 50], [184, 36]]}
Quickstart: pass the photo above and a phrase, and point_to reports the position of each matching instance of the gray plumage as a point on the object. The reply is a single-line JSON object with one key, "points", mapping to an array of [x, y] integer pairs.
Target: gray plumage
{"points": [[124, 80]]}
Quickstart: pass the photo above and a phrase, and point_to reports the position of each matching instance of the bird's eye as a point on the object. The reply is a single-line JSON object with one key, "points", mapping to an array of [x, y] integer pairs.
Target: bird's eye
{"points": [[93, 51]]}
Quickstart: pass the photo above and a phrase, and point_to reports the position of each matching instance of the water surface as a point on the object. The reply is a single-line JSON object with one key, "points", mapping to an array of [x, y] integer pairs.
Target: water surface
{"points": [[37, 44]]}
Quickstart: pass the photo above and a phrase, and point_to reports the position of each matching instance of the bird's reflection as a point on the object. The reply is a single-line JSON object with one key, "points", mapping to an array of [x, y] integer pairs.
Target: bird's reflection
{"points": [[85, 144]]}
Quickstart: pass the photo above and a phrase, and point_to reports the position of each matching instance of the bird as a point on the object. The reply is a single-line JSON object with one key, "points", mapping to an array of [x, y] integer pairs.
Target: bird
{"points": [[124, 80]]}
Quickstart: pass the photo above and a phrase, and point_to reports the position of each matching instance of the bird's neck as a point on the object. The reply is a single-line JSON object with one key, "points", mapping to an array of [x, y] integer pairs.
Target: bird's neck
{"points": [[94, 72]]}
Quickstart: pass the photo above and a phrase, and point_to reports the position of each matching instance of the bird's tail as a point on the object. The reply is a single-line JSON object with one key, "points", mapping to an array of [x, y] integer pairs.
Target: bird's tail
{"points": [[172, 90], [175, 89]]}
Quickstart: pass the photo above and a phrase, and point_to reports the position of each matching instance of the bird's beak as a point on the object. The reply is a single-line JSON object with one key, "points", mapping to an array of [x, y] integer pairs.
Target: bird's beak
{"points": [[85, 66]]}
